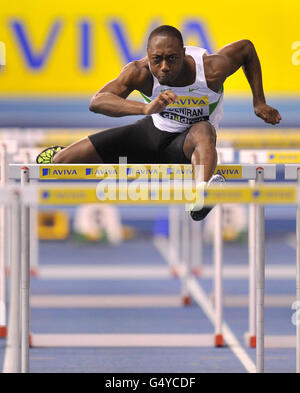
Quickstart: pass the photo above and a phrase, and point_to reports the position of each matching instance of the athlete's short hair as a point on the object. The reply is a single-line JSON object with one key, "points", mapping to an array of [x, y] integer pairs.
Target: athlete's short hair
{"points": [[166, 30]]}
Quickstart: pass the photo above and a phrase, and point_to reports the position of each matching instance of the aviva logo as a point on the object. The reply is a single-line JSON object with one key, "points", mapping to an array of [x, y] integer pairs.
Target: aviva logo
{"points": [[190, 102], [229, 172], [58, 173], [101, 172]]}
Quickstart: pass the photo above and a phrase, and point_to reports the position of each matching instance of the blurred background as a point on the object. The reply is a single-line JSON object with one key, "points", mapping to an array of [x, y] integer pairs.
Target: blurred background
{"points": [[59, 53]]}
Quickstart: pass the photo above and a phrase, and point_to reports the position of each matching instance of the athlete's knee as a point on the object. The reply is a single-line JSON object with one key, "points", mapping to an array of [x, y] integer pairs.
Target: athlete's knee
{"points": [[203, 132]]}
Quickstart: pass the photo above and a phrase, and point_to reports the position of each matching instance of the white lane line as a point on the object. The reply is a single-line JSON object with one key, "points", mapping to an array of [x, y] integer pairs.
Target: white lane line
{"points": [[230, 339]]}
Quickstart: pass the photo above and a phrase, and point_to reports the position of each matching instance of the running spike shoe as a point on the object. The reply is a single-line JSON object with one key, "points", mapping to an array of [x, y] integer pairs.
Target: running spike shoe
{"points": [[46, 156], [198, 214]]}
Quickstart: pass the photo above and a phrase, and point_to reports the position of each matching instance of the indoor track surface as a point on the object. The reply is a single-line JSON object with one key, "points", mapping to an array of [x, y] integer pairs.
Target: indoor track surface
{"points": [[119, 316]]}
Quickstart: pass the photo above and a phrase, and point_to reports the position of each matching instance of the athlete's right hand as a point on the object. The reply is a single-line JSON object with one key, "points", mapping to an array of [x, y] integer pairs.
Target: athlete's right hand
{"points": [[161, 102]]}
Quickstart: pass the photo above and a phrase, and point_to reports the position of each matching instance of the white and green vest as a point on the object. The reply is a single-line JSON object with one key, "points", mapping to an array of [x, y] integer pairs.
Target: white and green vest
{"points": [[195, 103]]}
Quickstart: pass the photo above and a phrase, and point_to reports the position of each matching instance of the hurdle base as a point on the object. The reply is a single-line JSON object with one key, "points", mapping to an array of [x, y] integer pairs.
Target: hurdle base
{"points": [[272, 341], [219, 340], [186, 300], [250, 340], [198, 271], [30, 341], [3, 331], [33, 272]]}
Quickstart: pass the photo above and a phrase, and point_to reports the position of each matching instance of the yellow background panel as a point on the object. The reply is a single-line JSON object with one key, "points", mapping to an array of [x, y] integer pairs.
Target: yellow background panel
{"points": [[272, 26]]}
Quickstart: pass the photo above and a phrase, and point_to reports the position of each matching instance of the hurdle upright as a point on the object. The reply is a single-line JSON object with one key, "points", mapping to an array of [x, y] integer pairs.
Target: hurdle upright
{"points": [[290, 158], [7, 149], [12, 359], [292, 172], [3, 248]]}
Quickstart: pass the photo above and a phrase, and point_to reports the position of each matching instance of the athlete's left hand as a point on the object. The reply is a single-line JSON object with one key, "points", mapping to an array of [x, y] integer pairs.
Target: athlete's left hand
{"points": [[267, 113]]}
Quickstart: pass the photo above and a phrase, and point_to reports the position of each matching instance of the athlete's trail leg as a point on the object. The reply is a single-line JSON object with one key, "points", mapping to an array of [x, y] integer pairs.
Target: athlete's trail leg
{"points": [[80, 152]]}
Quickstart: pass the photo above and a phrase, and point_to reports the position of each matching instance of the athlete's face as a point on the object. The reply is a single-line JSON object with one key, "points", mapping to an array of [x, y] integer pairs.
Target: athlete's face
{"points": [[166, 57]]}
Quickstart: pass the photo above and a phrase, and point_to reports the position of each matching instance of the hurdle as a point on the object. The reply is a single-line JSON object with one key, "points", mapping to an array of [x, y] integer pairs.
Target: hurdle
{"points": [[11, 152], [25, 156], [229, 172], [84, 172], [90, 172], [279, 194], [274, 156], [291, 172], [52, 194], [270, 156], [159, 173], [252, 173], [259, 138]]}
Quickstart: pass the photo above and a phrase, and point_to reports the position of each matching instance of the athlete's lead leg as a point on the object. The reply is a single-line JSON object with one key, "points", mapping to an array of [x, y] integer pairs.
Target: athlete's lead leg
{"points": [[200, 147]]}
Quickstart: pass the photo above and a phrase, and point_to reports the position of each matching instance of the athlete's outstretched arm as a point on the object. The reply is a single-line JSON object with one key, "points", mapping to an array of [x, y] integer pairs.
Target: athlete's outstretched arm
{"points": [[243, 54], [111, 99]]}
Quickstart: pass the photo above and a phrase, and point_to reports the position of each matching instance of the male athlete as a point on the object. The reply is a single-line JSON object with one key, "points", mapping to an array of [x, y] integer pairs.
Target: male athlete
{"points": [[182, 89]]}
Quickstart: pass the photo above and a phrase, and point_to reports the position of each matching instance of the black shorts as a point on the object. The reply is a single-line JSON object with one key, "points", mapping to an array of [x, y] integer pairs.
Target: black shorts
{"points": [[142, 143]]}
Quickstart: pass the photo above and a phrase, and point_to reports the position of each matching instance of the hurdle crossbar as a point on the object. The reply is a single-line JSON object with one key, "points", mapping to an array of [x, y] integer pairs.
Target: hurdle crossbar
{"points": [[260, 138], [270, 156], [134, 171], [81, 193], [292, 172]]}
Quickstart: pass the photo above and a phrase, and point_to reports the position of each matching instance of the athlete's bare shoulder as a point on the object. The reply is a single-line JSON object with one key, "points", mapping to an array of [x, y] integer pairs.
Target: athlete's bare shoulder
{"points": [[215, 69], [227, 60], [138, 75]]}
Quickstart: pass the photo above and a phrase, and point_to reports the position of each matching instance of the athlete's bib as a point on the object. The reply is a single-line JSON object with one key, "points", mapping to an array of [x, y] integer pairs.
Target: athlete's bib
{"points": [[195, 102], [187, 110]]}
